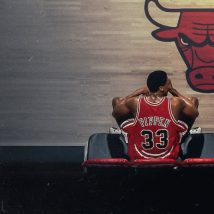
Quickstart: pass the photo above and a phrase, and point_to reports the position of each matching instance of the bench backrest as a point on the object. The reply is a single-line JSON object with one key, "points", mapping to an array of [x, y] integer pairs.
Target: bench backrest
{"points": [[104, 145], [199, 146]]}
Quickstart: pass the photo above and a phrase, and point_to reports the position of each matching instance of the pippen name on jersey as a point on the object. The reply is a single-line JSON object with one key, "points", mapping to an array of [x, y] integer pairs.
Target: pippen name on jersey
{"points": [[154, 121]]}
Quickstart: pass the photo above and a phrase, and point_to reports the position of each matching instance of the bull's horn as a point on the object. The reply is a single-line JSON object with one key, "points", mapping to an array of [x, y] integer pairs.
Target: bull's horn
{"points": [[187, 4], [159, 15]]}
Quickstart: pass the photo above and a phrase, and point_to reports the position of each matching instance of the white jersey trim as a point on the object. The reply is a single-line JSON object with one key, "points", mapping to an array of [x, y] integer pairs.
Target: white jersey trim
{"points": [[149, 155], [138, 110], [124, 125], [176, 122], [154, 104]]}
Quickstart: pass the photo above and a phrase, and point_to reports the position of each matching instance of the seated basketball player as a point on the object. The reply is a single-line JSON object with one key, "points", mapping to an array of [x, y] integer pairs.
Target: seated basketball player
{"points": [[154, 123]]}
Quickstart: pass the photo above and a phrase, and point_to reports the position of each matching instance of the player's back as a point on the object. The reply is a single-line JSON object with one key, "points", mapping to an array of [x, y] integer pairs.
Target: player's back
{"points": [[154, 133]]}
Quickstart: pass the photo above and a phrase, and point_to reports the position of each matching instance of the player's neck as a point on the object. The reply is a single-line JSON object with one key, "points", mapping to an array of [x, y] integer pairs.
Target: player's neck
{"points": [[157, 95]]}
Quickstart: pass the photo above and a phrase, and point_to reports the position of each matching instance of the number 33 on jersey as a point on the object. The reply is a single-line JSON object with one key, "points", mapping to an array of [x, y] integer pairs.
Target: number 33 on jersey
{"points": [[154, 133]]}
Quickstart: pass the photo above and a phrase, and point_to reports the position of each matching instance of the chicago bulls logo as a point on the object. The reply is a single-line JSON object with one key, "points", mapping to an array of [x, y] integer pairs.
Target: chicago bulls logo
{"points": [[194, 38]]}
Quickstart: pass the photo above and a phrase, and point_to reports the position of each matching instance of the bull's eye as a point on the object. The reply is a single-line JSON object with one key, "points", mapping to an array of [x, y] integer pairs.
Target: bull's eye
{"points": [[184, 41]]}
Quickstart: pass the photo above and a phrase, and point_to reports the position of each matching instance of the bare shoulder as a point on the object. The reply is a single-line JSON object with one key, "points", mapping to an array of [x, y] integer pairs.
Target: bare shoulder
{"points": [[132, 101], [177, 105], [176, 101], [132, 104]]}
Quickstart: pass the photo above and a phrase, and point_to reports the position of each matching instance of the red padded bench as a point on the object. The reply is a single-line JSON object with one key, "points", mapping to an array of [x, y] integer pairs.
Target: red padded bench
{"points": [[198, 162], [111, 162], [110, 150], [103, 162]]}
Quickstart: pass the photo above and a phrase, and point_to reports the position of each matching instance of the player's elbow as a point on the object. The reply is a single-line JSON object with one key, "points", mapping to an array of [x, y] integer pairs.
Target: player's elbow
{"points": [[194, 101], [117, 101], [114, 114], [114, 102], [196, 113]]}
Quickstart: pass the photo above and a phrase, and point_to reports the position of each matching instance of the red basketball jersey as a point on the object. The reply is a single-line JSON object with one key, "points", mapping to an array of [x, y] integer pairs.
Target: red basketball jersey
{"points": [[154, 133]]}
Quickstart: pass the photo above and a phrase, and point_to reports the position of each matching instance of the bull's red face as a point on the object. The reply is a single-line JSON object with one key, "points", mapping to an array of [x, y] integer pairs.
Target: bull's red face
{"points": [[194, 37]]}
